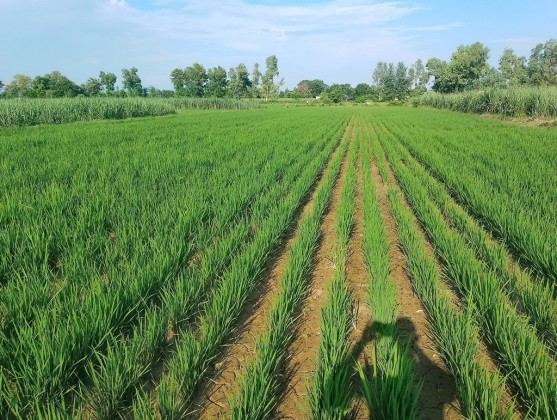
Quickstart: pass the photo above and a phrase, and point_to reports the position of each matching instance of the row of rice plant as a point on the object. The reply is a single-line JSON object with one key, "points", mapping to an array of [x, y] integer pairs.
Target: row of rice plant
{"points": [[391, 390], [137, 355], [503, 174], [99, 233], [531, 298], [511, 102], [480, 393], [531, 371], [22, 112], [258, 391], [196, 349], [330, 393]]}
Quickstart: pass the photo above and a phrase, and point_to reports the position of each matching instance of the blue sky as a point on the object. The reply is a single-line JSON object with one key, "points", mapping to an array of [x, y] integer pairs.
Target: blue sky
{"points": [[338, 41]]}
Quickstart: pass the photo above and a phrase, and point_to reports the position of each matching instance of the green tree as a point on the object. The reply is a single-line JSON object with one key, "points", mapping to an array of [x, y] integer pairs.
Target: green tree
{"points": [[217, 82], [1, 86], [362, 91], [132, 82], [240, 82], [418, 75], [54, 85], [512, 68], [303, 89], [177, 79], [542, 65], [467, 66], [402, 81], [255, 81], [195, 79], [270, 86], [317, 87], [108, 82], [20, 87], [336, 93], [92, 87]]}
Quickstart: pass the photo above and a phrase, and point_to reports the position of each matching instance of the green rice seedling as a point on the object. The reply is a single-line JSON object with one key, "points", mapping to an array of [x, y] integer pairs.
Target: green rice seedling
{"points": [[228, 299], [329, 390], [530, 369], [392, 391], [533, 299], [257, 397]]}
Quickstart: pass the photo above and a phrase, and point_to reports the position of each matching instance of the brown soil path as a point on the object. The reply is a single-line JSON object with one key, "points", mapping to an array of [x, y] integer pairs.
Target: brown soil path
{"points": [[212, 401], [304, 349], [438, 399]]}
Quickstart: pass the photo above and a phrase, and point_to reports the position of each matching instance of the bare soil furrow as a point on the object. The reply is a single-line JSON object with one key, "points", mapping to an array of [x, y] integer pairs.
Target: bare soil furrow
{"points": [[211, 401], [304, 349]]}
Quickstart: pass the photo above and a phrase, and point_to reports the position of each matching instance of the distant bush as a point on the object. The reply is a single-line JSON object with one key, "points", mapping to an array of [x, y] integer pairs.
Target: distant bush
{"points": [[512, 102]]}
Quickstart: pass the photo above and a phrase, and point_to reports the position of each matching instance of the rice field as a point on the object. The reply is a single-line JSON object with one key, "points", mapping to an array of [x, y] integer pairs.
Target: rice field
{"points": [[307, 262]]}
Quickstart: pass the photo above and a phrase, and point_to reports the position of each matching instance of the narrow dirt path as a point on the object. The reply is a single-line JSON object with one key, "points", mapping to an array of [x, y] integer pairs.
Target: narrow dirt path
{"points": [[438, 399], [305, 346], [211, 401]]}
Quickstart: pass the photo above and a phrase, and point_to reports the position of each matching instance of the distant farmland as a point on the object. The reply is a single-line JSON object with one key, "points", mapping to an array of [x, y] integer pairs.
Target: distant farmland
{"points": [[321, 262]]}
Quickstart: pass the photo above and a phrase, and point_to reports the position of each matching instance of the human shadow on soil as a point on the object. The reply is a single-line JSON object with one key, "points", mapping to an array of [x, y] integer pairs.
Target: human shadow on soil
{"points": [[438, 388]]}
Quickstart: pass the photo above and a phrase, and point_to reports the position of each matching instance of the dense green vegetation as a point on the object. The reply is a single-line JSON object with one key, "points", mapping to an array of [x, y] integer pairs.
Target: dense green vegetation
{"points": [[129, 251], [22, 112], [511, 102]]}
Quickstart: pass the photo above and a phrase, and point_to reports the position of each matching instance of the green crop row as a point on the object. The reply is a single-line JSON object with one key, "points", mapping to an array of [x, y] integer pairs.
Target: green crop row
{"points": [[330, 393], [392, 390], [504, 175], [533, 299], [98, 239], [257, 397], [480, 392], [519, 352]]}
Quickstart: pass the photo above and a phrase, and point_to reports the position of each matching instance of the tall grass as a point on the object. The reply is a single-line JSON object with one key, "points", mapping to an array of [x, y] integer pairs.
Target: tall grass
{"points": [[512, 102], [22, 112]]}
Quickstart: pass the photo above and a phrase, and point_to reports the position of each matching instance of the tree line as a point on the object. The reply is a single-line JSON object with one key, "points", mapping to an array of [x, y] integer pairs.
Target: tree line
{"points": [[467, 69], [196, 81], [193, 81]]}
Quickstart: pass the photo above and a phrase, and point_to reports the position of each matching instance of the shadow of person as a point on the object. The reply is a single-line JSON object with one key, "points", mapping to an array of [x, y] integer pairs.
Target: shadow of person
{"points": [[438, 389]]}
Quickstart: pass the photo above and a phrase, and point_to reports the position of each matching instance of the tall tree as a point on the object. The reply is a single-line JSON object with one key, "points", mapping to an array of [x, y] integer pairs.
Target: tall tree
{"points": [[92, 87], [177, 79], [402, 82], [418, 75], [54, 85], [317, 87], [132, 82], [467, 66], [108, 82], [20, 87], [512, 68], [542, 66], [195, 79], [255, 80], [270, 86], [303, 89], [217, 82]]}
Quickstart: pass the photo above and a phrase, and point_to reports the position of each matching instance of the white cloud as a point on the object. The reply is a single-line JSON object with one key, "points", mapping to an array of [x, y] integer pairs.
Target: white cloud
{"points": [[339, 40]]}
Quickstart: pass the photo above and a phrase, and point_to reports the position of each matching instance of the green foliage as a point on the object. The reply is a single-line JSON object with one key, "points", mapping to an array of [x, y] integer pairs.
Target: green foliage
{"points": [[132, 82], [512, 102], [59, 111]]}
